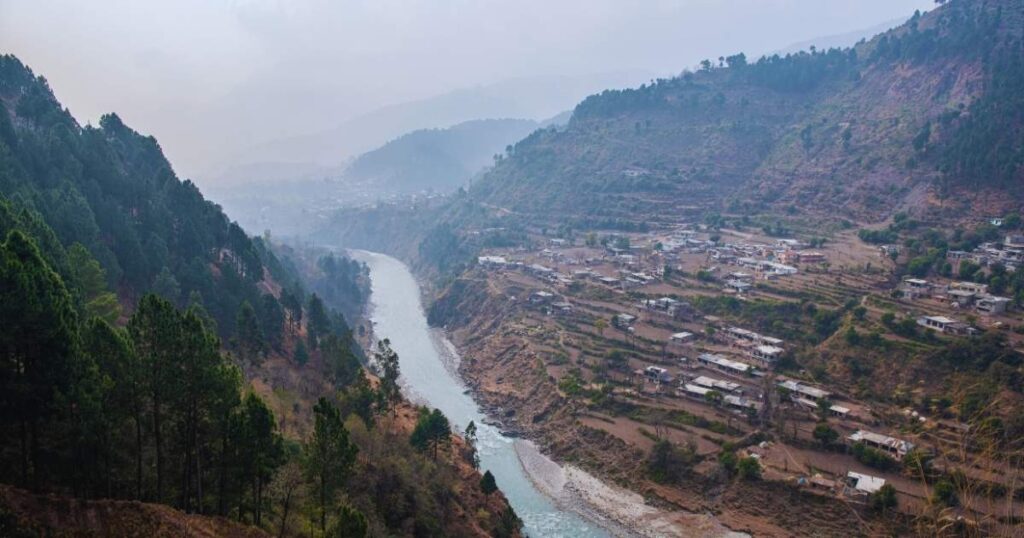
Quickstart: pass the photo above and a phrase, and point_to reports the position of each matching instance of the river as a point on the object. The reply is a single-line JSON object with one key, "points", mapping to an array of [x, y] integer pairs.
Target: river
{"points": [[552, 500], [428, 376]]}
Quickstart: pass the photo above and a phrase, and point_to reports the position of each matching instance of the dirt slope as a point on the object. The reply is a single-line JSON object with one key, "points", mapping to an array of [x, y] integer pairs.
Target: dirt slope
{"points": [[26, 514]]}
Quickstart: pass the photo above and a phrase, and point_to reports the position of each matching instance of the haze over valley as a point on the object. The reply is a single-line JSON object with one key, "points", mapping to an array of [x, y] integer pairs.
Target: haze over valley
{"points": [[424, 268]]}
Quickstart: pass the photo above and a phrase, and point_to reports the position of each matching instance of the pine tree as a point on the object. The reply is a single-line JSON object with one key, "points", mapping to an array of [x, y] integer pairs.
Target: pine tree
{"points": [[318, 323], [387, 360], [328, 456], [91, 281], [248, 334], [155, 329], [111, 351], [167, 286], [432, 430], [37, 346], [301, 355], [272, 320], [351, 523], [487, 483], [262, 449]]}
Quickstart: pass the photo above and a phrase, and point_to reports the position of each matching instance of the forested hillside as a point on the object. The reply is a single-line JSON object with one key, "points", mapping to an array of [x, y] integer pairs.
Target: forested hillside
{"points": [[109, 195], [142, 331], [919, 116]]}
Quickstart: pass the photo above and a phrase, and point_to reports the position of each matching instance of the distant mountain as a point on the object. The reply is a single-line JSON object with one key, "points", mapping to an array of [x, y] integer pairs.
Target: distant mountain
{"points": [[437, 160], [529, 97], [423, 161]]}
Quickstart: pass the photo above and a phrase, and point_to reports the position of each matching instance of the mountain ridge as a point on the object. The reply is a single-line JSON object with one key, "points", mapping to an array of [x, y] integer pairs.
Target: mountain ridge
{"points": [[772, 132]]}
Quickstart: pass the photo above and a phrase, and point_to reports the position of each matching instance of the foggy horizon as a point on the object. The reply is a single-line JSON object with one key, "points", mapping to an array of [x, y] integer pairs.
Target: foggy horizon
{"points": [[213, 81]]}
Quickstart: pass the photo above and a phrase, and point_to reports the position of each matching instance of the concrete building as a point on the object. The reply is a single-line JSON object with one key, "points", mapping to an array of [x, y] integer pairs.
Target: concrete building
{"points": [[891, 445], [945, 325], [992, 305]]}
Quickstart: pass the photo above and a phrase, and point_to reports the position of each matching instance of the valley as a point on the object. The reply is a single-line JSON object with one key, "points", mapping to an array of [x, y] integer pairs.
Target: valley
{"points": [[754, 297]]}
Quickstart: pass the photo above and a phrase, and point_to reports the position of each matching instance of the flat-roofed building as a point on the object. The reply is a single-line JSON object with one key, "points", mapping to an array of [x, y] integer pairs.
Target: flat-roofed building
{"points": [[724, 364], [804, 389], [717, 384], [893, 446]]}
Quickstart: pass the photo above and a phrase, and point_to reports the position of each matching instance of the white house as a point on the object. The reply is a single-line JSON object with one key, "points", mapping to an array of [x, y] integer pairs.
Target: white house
{"points": [[863, 483], [716, 384], [945, 325], [681, 337], [724, 364], [804, 389]]}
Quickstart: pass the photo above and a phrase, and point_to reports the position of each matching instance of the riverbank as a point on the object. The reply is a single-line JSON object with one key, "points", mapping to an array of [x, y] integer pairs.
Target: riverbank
{"points": [[621, 512], [428, 378]]}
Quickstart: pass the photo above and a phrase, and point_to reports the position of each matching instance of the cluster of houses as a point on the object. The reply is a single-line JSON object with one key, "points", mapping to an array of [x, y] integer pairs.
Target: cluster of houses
{"points": [[765, 350], [767, 260], [959, 295], [669, 308], [550, 302], [1009, 253], [700, 387]]}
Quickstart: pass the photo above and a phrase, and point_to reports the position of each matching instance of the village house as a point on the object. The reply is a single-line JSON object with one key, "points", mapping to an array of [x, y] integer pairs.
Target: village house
{"points": [[492, 262], [723, 364], [623, 321], [540, 271], [738, 286], [693, 391], [724, 255], [583, 274], [716, 384], [960, 298], [971, 287], [740, 402], [945, 325], [812, 405], [792, 256], [681, 338], [629, 283], [992, 305], [1014, 241], [741, 334], [541, 297], [889, 250], [913, 288], [562, 307], [891, 445], [791, 244], [804, 389], [863, 484], [768, 355], [657, 374]]}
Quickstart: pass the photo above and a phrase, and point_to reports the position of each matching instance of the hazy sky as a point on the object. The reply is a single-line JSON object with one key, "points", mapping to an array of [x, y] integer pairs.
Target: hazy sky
{"points": [[207, 77]]}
